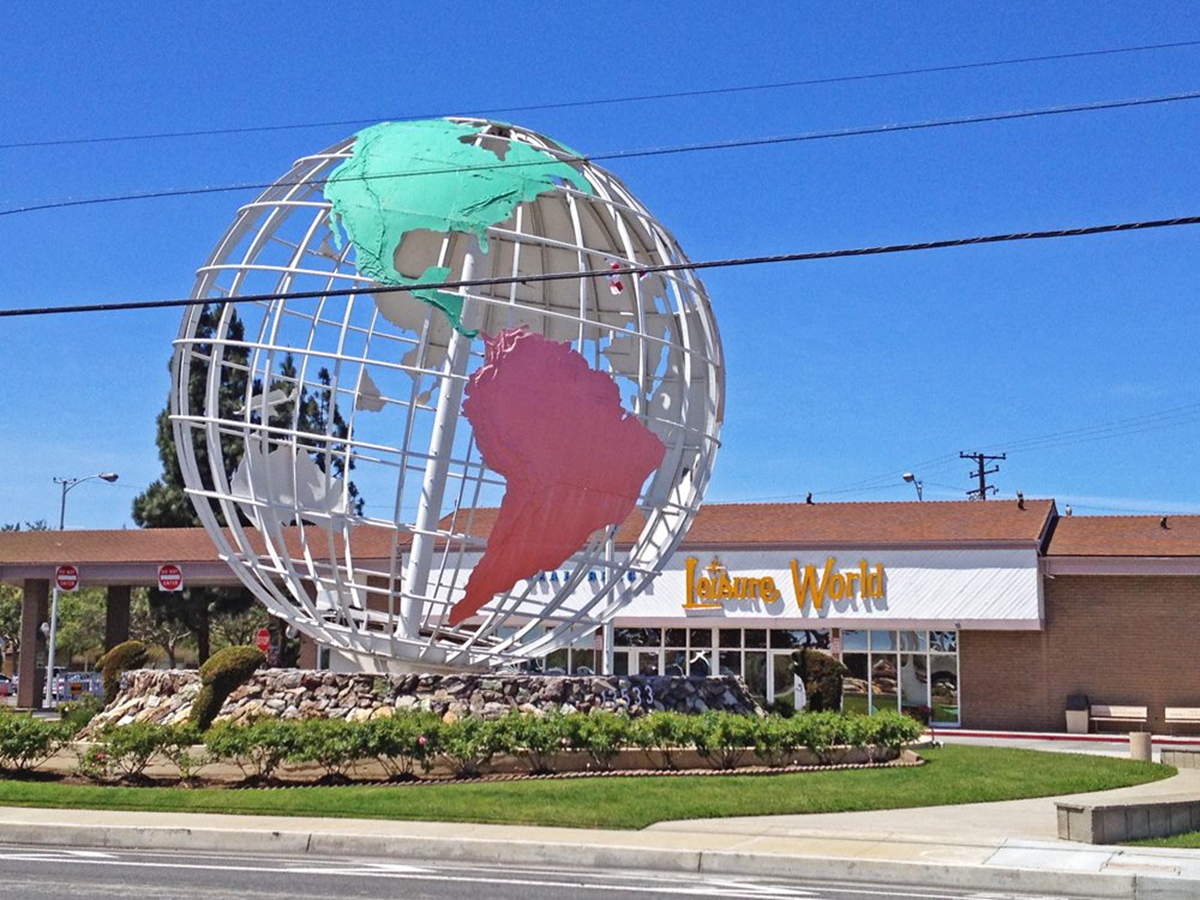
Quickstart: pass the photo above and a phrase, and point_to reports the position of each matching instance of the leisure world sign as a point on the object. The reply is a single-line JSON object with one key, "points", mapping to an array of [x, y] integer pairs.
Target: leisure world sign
{"points": [[712, 587]]}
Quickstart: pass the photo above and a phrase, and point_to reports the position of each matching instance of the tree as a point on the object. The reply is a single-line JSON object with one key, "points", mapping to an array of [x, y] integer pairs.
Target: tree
{"points": [[165, 503], [154, 628]]}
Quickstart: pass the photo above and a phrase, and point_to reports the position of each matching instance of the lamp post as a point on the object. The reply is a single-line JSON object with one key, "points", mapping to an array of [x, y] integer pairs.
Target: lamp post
{"points": [[52, 637], [912, 479]]}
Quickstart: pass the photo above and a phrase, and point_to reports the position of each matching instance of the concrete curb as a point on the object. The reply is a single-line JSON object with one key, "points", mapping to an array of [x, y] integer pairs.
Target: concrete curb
{"points": [[600, 856]]}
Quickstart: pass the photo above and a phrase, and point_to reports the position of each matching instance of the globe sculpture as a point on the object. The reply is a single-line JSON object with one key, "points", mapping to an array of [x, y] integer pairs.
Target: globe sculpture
{"points": [[455, 475]]}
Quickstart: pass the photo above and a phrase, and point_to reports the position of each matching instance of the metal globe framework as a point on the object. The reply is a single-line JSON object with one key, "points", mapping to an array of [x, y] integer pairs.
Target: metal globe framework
{"points": [[280, 404]]}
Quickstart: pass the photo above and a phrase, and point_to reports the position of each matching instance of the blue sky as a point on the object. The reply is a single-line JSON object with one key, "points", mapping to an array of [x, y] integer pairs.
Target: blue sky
{"points": [[841, 374]]}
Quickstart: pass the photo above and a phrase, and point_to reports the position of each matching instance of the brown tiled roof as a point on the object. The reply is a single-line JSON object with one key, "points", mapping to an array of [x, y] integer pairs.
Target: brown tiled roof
{"points": [[157, 545], [933, 522], [718, 524], [1125, 536]]}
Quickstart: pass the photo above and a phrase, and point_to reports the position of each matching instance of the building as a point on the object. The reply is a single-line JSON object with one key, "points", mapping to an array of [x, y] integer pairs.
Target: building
{"points": [[976, 614]]}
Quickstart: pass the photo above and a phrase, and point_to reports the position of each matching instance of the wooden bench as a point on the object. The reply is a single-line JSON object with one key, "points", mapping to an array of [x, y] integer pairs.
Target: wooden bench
{"points": [[1182, 715], [1126, 715]]}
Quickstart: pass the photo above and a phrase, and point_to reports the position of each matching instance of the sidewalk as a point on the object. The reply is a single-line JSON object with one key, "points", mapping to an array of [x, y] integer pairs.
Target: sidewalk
{"points": [[1011, 845]]}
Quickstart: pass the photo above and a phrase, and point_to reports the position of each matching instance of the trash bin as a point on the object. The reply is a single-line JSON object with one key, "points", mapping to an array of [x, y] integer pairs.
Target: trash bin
{"points": [[1077, 714]]}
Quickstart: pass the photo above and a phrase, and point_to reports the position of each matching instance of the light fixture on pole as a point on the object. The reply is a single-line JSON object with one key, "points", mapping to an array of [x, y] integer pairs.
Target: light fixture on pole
{"points": [[68, 483], [52, 637], [912, 479]]}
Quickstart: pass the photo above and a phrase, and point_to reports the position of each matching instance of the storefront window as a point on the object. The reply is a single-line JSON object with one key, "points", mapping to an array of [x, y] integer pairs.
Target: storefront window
{"points": [[883, 640], [884, 687], [944, 689], [583, 662], [637, 637], [856, 686], [731, 662], [756, 638], [700, 637], [854, 641], [755, 673], [676, 637], [922, 679], [556, 663], [730, 637], [943, 641], [817, 639], [912, 641], [914, 684]]}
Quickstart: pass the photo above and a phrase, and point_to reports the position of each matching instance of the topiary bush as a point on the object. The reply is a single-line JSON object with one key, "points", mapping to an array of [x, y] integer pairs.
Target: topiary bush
{"points": [[224, 671], [117, 661], [822, 674]]}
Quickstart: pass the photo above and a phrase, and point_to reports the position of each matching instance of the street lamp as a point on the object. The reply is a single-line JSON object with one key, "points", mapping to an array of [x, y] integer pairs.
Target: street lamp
{"points": [[52, 637], [912, 479], [68, 483]]}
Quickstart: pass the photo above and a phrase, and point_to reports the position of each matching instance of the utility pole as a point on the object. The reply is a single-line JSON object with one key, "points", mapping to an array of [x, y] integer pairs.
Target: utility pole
{"points": [[981, 472]]}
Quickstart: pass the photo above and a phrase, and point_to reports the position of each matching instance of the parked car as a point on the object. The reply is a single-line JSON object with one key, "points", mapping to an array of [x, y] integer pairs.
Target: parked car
{"points": [[7, 685]]}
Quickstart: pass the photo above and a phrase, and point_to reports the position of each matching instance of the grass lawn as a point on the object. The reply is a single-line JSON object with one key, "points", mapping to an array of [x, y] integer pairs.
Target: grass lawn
{"points": [[1191, 840], [954, 774]]}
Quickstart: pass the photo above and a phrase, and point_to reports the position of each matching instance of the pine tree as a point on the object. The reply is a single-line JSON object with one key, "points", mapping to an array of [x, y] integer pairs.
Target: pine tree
{"points": [[165, 504]]}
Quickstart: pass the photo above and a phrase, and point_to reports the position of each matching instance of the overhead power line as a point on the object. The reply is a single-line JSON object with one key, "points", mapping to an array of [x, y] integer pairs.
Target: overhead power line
{"points": [[606, 101], [733, 262], [735, 144]]}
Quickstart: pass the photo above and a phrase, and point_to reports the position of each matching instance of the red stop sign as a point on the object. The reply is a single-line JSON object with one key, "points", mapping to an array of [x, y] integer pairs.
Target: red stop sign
{"points": [[263, 640], [170, 577], [67, 578]]}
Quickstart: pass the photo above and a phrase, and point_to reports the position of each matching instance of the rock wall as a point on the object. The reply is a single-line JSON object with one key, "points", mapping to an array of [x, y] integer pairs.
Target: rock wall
{"points": [[166, 697]]}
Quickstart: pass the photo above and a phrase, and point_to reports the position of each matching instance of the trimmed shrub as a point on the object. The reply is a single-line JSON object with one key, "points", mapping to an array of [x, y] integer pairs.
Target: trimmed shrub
{"points": [[602, 734], [257, 749], [469, 744], [125, 751], [333, 744], [223, 672], [663, 733], [776, 741], [116, 662], [535, 740], [403, 741], [26, 742], [822, 674], [722, 738], [888, 731]]}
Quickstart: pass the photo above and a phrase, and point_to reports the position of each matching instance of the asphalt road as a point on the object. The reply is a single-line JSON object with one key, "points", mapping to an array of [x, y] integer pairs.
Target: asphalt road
{"points": [[27, 873]]}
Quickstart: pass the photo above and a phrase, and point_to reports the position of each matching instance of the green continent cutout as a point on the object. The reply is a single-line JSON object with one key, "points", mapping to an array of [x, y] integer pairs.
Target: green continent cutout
{"points": [[427, 174]]}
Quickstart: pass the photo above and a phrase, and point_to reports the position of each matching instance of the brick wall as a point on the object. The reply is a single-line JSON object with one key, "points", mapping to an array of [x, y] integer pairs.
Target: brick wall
{"points": [[1122, 640]]}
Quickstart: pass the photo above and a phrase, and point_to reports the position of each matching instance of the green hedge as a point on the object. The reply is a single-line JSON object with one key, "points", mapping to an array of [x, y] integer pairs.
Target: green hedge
{"points": [[409, 740]]}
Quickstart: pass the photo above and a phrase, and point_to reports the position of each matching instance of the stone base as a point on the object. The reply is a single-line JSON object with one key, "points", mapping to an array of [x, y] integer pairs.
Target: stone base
{"points": [[166, 696]]}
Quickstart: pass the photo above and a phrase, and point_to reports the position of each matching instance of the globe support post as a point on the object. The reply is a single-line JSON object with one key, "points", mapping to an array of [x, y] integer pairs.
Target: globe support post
{"points": [[441, 442]]}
